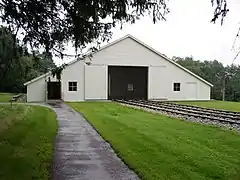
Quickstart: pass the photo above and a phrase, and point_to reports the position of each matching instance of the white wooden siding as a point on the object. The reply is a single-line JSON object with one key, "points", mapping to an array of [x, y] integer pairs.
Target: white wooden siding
{"points": [[37, 91], [157, 89], [203, 92], [191, 90], [162, 73], [73, 72], [92, 81], [127, 53]]}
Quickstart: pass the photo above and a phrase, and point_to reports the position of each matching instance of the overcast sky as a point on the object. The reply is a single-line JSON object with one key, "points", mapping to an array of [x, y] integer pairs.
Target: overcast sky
{"points": [[188, 31]]}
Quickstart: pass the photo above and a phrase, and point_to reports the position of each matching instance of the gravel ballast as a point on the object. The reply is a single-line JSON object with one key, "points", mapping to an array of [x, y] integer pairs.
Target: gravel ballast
{"points": [[189, 118]]}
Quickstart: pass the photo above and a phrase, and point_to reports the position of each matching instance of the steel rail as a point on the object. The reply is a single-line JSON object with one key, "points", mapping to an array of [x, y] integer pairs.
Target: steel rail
{"points": [[197, 107], [196, 114], [196, 110]]}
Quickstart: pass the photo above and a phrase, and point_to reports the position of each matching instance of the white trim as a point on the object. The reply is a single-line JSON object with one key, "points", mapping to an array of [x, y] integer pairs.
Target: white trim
{"points": [[84, 82], [37, 78], [141, 43]]}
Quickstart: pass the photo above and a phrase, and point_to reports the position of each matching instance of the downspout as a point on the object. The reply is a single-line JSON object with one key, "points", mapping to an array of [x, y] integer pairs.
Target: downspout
{"points": [[45, 89], [84, 87], [46, 93]]}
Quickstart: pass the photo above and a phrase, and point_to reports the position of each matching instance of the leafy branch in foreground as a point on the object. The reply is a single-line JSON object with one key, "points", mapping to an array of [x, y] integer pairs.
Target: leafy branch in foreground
{"points": [[52, 24], [221, 10], [10, 50]]}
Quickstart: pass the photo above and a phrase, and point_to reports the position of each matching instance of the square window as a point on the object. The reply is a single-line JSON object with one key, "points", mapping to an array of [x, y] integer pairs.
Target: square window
{"points": [[72, 86], [130, 87], [176, 86]]}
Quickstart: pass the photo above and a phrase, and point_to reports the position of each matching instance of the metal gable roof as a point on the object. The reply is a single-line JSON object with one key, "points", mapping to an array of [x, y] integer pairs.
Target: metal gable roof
{"points": [[36, 79], [141, 43]]}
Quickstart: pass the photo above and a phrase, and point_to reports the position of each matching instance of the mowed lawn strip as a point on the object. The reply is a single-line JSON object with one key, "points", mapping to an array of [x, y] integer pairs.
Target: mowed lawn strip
{"points": [[5, 97], [27, 134], [162, 148], [222, 105]]}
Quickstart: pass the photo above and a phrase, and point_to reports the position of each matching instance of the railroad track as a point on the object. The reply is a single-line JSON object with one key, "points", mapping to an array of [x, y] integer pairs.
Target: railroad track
{"points": [[187, 111], [199, 108], [193, 109]]}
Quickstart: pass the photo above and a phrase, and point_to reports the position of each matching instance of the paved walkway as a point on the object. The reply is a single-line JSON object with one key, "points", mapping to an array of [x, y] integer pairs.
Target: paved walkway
{"points": [[81, 154]]}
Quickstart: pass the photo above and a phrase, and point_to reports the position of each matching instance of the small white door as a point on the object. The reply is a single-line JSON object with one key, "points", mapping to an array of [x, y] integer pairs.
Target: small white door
{"points": [[191, 90]]}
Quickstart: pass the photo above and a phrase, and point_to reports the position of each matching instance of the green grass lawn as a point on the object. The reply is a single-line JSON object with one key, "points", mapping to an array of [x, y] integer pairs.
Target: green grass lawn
{"points": [[26, 142], [162, 148], [224, 105], [5, 97]]}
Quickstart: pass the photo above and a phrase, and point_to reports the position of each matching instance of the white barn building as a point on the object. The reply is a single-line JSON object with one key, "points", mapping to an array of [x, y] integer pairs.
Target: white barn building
{"points": [[126, 69]]}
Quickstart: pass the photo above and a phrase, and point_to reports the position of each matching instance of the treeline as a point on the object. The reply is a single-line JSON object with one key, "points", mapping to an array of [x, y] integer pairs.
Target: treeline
{"points": [[17, 66], [224, 78], [22, 71]]}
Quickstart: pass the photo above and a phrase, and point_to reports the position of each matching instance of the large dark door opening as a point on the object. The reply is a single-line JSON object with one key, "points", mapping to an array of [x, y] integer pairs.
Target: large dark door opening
{"points": [[126, 82], [54, 90]]}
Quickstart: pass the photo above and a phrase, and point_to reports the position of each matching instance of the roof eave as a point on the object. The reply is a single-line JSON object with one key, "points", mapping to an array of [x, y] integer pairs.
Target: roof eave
{"points": [[140, 42], [36, 79], [168, 59]]}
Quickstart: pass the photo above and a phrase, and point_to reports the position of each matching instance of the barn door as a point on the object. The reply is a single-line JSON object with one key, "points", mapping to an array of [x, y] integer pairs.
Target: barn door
{"points": [[95, 82], [54, 90], [191, 91], [126, 82]]}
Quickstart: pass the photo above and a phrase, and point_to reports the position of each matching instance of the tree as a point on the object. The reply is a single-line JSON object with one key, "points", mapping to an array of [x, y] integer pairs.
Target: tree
{"points": [[52, 23], [23, 70], [10, 51], [16, 65], [225, 79]]}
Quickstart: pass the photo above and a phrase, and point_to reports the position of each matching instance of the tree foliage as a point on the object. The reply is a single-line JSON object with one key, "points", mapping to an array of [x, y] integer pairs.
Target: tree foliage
{"points": [[18, 66], [52, 23], [23, 70], [216, 73], [220, 10], [10, 51]]}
